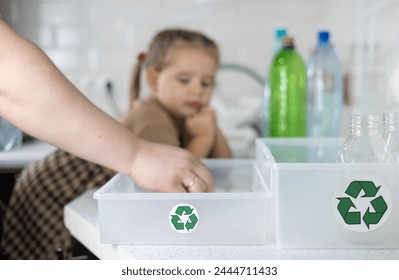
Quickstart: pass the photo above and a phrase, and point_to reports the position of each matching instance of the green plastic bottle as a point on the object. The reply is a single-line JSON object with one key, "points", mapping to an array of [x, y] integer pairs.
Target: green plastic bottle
{"points": [[287, 78], [278, 45]]}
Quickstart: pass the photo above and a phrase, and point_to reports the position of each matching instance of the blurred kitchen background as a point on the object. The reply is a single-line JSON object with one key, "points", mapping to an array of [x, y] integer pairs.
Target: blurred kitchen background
{"points": [[95, 43]]}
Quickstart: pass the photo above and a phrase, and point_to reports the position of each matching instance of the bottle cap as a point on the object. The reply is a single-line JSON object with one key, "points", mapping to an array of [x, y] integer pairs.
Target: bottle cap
{"points": [[280, 33], [288, 41], [324, 37]]}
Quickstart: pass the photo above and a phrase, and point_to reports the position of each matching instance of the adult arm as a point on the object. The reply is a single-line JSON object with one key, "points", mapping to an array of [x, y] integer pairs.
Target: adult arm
{"points": [[35, 96]]}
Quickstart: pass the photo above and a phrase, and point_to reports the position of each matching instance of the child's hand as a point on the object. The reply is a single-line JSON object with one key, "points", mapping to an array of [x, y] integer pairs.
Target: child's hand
{"points": [[202, 124]]}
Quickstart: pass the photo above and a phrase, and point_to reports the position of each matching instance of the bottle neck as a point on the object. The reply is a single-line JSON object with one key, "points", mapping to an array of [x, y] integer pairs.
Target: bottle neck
{"points": [[289, 47], [324, 45], [391, 122], [365, 125], [288, 42]]}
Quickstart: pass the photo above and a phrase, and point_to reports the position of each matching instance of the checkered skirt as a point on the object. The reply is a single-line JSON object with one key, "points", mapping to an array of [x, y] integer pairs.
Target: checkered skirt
{"points": [[33, 224]]}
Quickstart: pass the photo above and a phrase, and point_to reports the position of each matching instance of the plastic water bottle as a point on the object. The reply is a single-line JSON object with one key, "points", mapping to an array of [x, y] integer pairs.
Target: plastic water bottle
{"points": [[391, 136], [365, 142], [325, 90], [10, 136], [278, 44], [287, 78]]}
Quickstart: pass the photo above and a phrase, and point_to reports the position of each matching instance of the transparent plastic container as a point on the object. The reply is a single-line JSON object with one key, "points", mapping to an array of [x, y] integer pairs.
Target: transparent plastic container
{"points": [[315, 197], [391, 136], [10, 136], [325, 98], [365, 142], [236, 213]]}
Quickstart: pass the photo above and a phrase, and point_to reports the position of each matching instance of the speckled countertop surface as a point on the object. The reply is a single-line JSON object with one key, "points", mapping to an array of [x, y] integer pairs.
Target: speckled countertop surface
{"points": [[81, 218]]}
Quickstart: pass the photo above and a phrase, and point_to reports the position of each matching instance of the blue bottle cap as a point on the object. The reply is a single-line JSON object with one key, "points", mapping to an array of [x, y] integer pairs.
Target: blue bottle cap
{"points": [[280, 33], [324, 37]]}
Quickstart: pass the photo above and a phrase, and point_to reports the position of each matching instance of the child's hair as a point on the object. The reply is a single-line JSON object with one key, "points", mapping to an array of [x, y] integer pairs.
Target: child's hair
{"points": [[159, 50]]}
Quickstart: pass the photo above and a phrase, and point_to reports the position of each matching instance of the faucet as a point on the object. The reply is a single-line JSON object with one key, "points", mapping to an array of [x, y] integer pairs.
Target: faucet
{"points": [[254, 123], [245, 70]]}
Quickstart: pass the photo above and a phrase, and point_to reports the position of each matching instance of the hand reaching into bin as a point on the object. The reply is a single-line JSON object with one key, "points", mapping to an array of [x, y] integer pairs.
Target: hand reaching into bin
{"points": [[36, 97], [40, 100]]}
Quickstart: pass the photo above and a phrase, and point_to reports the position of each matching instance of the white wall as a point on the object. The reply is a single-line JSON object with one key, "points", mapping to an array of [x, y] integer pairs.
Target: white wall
{"points": [[93, 41]]}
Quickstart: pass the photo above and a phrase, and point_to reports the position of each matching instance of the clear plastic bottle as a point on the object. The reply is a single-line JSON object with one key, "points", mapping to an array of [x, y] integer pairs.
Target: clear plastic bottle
{"points": [[287, 78], [10, 136], [391, 137], [324, 90], [278, 44], [365, 143]]}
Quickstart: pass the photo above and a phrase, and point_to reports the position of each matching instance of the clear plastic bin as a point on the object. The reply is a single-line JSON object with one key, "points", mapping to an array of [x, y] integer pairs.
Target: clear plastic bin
{"points": [[323, 204], [236, 213]]}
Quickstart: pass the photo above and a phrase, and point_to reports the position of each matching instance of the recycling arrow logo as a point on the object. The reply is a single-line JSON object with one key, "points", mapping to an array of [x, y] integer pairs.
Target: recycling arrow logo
{"points": [[184, 218], [364, 205]]}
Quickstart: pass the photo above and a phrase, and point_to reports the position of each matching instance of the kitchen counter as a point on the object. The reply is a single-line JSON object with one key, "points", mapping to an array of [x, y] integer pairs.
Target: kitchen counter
{"points": [[81, 218], [20, 157]]}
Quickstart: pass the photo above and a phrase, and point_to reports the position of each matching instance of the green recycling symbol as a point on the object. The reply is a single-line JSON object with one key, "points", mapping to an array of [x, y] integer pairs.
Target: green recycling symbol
{"points": [[363, 210], [184, 218]]}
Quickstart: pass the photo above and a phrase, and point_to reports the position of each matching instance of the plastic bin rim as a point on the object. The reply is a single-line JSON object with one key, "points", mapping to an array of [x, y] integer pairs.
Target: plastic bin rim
{"points": [[262, 193], [182, 196], [333, 165], [302, 140]]}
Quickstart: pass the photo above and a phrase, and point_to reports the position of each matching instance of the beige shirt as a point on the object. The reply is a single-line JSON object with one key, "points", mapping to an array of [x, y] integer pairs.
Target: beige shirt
{"points": [[150, 121]]}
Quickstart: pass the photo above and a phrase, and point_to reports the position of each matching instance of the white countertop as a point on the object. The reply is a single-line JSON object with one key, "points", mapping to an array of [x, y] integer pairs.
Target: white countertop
{"points": [[20, 157], [81, 218]]}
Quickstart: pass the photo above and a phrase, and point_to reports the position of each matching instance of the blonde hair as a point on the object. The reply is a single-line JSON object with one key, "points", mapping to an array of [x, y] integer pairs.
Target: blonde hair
{"points": [[159, 52]]}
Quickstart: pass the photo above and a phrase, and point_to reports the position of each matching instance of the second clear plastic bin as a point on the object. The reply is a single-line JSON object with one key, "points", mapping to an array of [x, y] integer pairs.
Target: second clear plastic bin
{"points": [[323, 204]]}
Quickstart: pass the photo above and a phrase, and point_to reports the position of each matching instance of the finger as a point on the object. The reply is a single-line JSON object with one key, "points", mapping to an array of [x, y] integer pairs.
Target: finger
{"points": [[189, 180], [198, 185], [180, 189], [206, 179], [179, 185]]}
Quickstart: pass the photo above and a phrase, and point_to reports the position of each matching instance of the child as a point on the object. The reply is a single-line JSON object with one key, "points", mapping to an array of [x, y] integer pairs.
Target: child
{"points": [[181, 67]]}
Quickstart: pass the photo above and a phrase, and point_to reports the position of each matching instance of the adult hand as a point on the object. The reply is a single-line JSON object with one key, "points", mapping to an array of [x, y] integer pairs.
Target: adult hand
{"points": [[39, 98], [163, 168]]}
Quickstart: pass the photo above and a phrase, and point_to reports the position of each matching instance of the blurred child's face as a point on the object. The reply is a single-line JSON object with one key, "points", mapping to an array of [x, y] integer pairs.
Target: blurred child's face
{"points": [[185, 85]]}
